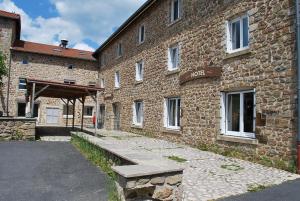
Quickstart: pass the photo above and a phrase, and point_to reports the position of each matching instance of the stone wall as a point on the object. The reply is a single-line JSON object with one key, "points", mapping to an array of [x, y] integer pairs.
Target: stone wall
{"points": [[17, 129], [268, 67]]}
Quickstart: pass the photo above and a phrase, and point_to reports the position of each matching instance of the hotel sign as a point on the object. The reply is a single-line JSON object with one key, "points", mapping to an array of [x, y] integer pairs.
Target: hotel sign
{"points": [[201, 73]]}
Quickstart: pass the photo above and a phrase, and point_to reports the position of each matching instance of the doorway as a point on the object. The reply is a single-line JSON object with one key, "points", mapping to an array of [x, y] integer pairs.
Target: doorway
{"points": [[101, 120], [52, 115], [117, 112]]}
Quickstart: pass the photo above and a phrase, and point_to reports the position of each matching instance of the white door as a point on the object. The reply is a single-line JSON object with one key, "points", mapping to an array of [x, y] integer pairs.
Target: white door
{"points": [[52, 115]]}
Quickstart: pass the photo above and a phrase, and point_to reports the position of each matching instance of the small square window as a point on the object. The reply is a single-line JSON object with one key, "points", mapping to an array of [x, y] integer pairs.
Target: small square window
{"points": [[92, 84], [22, 84], [238, 34], [66, 81], [88, 111], [141, 34], [25, 61], [139, 75], [71, 66], [68, 111], [117, 79], [138, 108], [173, 58]]}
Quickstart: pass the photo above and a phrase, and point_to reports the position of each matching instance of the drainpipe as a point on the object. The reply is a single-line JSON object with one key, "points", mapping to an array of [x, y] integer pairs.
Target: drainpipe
{"points": [[8, 85], [298, 82]]}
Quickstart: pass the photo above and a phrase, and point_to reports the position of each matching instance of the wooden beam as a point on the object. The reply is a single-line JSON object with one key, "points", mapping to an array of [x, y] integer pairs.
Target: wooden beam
{"points": [[73, 120], [67, 114], [32, 100], [97, 113], [82, 112], [64, 101], [40, 91]]}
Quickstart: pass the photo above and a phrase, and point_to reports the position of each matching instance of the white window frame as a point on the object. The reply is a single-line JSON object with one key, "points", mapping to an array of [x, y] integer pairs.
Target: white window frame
{"points": [[102, 83], [139, 74], [172, 10], [119, 50], [135, 113], [117, 79], [171, 66], [22, 84], [166, 113], [229, 34], [224, 111], [142, 40], [88, 116]]}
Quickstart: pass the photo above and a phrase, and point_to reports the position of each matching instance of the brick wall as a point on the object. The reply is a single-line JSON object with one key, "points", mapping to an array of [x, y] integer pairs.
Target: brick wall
{"points": [[268, 67]]}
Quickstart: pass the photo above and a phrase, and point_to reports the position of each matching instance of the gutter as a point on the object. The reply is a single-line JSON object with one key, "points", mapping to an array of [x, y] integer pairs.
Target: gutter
{"points": [[298, 81]]}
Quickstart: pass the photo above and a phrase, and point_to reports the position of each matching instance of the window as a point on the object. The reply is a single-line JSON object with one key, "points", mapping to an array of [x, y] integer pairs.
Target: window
{"points": [[25, 60], [138, 108], [22, 110], [173, 58], [102, 83], [119, 50], [175, 10], [172, 113], [117, 79], [69, 113], [102, 60], [238, 34], [238, 114], [22, 84], [92, 84], [139, 71], [71, 66], [88, 111], [66, 81], [141, 34]]}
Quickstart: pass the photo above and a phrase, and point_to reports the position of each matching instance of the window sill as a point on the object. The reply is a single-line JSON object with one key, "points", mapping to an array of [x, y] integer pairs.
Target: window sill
{"points": [[174, 22], [137, 126], [87, 117], [138, 82], [172, 131], [117, 88], [242, 52], [176, 71], [242, 140], [140, 43], [68, 116]]}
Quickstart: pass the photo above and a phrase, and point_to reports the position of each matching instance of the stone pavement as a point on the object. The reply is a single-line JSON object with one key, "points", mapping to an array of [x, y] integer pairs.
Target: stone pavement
{"points": [[207, 176]]}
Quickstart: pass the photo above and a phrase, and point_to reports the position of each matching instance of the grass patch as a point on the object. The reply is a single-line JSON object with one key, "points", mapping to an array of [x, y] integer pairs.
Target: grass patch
{"points": [[99, 158], [256, 187], [232, 167], [177, 159], [289, 166]]}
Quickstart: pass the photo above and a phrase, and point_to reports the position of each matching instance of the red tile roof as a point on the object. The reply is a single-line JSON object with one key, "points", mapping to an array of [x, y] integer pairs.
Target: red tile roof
{"points": [[9, 15], [25, 46]]}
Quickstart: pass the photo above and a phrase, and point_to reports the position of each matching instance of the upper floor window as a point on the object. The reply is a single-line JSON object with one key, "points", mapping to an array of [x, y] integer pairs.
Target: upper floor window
{"points": [[238, 113], [173, 57], [119, 50], [22, 83], [71, 66], [102, 83], [172, 113], [92, 84], [139, 71], [66, 81], [141, 34], [238, 34], [117, 79], [138, 113], [175, 10], [25, 60]]}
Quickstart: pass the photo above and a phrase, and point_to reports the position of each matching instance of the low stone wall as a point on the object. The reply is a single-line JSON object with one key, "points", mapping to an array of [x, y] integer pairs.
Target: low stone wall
{"points": [[17, 129]]}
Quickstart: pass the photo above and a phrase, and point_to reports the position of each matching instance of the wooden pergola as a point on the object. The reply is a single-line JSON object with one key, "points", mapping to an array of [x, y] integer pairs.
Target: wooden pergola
{"points": [[68, 93]]}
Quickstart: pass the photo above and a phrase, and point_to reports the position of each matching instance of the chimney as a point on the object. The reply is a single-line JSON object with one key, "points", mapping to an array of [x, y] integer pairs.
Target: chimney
{"points": [[63, 43]]}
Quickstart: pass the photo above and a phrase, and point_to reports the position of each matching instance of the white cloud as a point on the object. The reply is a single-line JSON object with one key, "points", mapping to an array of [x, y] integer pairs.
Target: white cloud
{"points": [[77, 21], [83, 46]]}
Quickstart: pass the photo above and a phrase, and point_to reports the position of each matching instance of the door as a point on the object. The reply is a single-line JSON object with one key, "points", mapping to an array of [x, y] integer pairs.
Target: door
{"points": [[52, 115], [101, 117], [116, 110]]}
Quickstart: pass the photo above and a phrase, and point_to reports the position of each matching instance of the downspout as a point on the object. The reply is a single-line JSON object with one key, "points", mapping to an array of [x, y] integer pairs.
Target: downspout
{"points": [[8, 85], [298, 81]]}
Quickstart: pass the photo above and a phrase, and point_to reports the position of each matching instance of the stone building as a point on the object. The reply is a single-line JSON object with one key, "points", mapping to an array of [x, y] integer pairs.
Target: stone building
{"points": [[205, 72], [43, 62]]}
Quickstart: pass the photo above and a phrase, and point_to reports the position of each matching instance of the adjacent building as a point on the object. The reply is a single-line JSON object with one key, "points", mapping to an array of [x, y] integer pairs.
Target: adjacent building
{"points": [[205, 72]]}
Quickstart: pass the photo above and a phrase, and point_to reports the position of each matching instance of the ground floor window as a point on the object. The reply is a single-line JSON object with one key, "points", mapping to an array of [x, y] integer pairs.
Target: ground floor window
{"points": [[238, 113], [138, 113], [172, 113], [68, 113], [22, 110], [88, 111]]}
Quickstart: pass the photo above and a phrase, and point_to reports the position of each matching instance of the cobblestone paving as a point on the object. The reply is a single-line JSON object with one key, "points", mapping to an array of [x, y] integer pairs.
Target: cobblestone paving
{"points": [[207, 176]]}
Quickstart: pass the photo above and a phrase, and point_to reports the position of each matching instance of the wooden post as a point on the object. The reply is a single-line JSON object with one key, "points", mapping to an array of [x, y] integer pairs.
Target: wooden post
{"points": [[82, 112], [67, 113], [97, 112], [32, 100], [74, 101]]}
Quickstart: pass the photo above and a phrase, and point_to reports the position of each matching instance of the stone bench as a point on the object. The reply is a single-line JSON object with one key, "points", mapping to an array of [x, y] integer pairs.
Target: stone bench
{"points": [[142, 177]]}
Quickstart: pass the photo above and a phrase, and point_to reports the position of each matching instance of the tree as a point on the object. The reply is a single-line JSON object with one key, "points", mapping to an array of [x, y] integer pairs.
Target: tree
{"points": [[3, 68]]}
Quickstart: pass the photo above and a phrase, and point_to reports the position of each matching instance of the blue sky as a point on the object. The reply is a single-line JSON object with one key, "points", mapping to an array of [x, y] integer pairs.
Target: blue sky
{"points": [[86, 24]]}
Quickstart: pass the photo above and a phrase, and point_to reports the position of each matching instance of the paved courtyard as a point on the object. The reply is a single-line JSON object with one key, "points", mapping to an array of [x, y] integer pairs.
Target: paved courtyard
{"points": [[207, 176], [48, 171]]}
